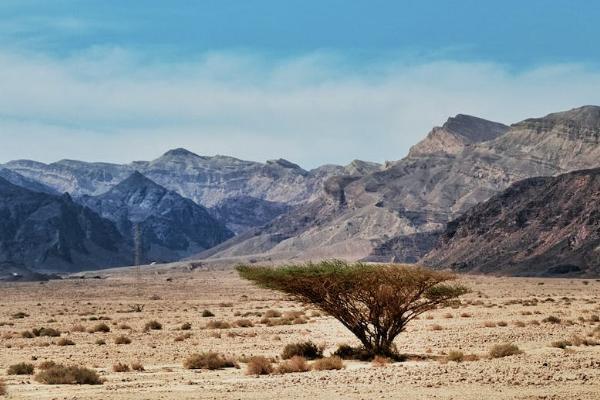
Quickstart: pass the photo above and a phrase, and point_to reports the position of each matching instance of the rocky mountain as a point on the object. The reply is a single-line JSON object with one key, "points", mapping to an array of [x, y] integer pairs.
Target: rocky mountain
{"points": [[456, 134], [544, 226], [20, 180], [42, 232], [218, 182], [172, 227], [396, 213]]}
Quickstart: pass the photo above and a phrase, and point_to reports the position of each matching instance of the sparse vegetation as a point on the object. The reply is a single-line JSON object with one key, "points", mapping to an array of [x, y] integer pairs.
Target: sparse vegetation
{"points": [[120, 367], [308, 350], [101, 327], [122, 340], [68, 375], [328, 363], [137, 366], [208, 360], [259, 366], [20, 369], [207, 313], [185, 326], [49, 332], [504, 350], [456, 356], [65, 342], [218, 325], [551, 320], [294, 364], [374, 302], [152, 326]]}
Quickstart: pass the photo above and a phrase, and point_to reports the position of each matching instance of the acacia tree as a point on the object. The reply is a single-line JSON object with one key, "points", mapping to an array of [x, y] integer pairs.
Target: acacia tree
{"points": [[375, 302]]}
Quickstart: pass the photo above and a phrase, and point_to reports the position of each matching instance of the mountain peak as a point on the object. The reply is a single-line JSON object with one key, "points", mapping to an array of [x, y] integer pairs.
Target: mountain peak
{"points": [[456, 133], [585, 116], [474, 129], [180, 152], [135, 181]]}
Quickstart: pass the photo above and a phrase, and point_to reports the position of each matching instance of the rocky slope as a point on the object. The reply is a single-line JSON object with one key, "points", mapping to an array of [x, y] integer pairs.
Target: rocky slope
{"points": [[44, 232], [397, 212], [226, 184], [172, 227], [539, 226]]}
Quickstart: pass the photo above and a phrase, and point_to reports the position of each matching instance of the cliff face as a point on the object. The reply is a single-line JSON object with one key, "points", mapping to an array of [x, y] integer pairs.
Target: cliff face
{"points": [[44, 232], [538, 226]]}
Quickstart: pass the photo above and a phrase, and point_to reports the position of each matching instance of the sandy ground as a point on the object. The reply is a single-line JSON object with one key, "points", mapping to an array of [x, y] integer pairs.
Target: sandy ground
{"points": [[174, 295]]}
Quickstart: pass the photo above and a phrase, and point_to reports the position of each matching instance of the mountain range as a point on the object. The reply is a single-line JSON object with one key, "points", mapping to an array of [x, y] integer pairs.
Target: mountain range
{"points": [[225, 210]]}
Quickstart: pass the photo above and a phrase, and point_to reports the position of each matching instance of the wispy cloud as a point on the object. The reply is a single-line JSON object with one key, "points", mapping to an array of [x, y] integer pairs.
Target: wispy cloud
{"points": [[113, 104]]}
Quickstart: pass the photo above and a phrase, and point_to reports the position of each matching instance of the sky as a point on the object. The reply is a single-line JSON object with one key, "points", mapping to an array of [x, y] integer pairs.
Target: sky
{"points": [[314, 82]]}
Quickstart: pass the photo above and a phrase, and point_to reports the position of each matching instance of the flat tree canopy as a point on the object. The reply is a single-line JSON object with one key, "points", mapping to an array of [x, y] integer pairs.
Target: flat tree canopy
{"points": [[375, 302]]}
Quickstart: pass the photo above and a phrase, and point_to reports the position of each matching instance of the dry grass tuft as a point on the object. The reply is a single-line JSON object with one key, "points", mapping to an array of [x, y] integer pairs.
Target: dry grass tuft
{"points": [[152, 326], [137, 366], [504, 350], [328, 363], [65, 342], [68, 375], [120, 367], [122, 340], [209, 361], [218, 325], [20, 369], [259, 366], [294, 364], [101, 327], [3, 390]]}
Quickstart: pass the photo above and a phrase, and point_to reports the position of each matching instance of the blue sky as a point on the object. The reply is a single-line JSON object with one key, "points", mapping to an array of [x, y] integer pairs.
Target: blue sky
{"points": [[311, 81]]}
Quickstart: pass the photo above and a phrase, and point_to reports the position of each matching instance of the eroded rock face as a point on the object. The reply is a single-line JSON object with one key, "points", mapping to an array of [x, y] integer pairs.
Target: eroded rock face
{"points": [[172, 227], [220, 183], [379, 216], [537, 227], [44, 232]]}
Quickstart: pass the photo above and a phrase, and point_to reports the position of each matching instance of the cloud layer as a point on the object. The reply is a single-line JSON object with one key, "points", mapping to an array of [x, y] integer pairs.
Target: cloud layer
{"points": [[116, 105]]}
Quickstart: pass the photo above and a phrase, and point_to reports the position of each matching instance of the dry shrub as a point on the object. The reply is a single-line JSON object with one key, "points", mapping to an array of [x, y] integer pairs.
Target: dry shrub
{"points": [[20, 369], [78, 328], [226, 305], [455, 355], [181, 338], [68, 375], [122, 340], [272, 314], [561, 344], [471, 357], [504, 350], [120, 367], [218, 325], [49, 332], [519, 324], [489, 324], [244, 323], [186, 326], [379, 361], [65, 342], [46, 364], [346, 352], [100, 342], [308, 350], [137, 366], [27, 335], [534, 322], [448, 315], [551, 320], [328, 363], [207, 313], [208, 360], [436, 327], [19, 315], [466, 315], [259, 366], [124, 326], [101, 327], [294, 364], [502, 323], [152, 325], [3, 390]]}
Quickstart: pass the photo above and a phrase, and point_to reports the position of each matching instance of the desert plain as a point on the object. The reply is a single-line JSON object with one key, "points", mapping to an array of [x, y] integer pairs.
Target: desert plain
{"points": [[554, 322]]}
